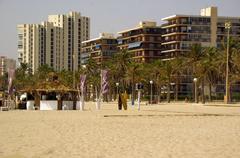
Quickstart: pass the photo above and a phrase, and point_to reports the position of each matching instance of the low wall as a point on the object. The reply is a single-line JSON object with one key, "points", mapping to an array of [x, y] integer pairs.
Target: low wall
{"points": [[68, 104], [78, 105], [48, 105], [30, 105]]}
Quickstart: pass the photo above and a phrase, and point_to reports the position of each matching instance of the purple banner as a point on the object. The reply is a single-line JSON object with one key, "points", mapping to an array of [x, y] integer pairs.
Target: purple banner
{"points": [[11, 74], [105, 85], [82, 82]]}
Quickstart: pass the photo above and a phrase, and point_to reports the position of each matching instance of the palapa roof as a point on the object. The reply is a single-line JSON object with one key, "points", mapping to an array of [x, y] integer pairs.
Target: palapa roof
{"points": [[51, 85]]}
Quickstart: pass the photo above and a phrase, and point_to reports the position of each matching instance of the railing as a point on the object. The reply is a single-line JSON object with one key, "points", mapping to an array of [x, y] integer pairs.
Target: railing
{"points": [[173, 23], [175, 31], [10, 104]]}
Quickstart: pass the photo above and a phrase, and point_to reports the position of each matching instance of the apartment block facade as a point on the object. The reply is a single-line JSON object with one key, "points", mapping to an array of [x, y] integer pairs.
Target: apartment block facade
{"points": [[100, 49], [208, 29], [143, 41], [56, 42], [5, 64]]}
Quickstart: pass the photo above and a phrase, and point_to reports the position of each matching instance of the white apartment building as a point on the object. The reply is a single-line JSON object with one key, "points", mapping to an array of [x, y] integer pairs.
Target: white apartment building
{"points": [[56, 42]]}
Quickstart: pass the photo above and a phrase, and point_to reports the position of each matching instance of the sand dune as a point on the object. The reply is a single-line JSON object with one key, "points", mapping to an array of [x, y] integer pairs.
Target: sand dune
{"points": [[175, 130]]}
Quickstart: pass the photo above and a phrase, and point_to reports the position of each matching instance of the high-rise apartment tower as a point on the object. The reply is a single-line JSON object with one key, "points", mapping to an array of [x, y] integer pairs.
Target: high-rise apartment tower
{"points": [[56, 42]]}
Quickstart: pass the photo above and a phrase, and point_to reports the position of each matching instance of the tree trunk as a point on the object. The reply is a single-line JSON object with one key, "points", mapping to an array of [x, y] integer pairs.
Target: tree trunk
{"points": [[210, 92], [74, 101], [109, 98], [202, 93], [176, 89], [37, 99], [159, 93], [168, 92], [230, 93], [133, 90], [193, 91], [59, 103]]}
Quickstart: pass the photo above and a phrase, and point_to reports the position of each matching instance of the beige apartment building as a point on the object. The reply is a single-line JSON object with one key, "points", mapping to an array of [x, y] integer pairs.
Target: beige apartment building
{"points": [[56, 42], [208, 29], [5, 64], [180, 32], [100, 49], [143, 41]]}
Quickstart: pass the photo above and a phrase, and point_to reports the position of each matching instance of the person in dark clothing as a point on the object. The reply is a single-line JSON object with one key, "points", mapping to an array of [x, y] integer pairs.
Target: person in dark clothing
{"points": [[119, 102]]}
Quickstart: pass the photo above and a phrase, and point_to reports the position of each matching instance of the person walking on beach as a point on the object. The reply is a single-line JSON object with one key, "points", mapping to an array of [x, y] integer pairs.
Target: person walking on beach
{"points": [[124, 100], [119, 102]]}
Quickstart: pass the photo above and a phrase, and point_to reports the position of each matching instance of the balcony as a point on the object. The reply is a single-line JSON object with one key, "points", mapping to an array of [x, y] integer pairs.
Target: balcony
{"points": [[153, 30], [175, 31], [176, 23], [134, 45], [166, 33]]}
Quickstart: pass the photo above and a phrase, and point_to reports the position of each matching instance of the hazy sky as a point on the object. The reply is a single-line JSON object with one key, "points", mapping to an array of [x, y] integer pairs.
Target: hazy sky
{"points": [[106, 15]]}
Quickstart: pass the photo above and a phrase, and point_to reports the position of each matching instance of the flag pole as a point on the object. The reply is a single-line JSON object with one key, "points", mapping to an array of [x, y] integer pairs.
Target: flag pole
{"points": [[79, 96], [82, 85], [100, 95]]}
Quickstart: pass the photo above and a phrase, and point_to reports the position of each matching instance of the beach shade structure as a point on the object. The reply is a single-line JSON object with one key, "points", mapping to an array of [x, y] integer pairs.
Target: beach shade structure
{"points": [[55, 90]]}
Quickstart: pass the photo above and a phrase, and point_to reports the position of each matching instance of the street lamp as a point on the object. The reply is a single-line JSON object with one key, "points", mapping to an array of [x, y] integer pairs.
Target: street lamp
{"points": [[195, 83], [226, 97], [151, 82]]}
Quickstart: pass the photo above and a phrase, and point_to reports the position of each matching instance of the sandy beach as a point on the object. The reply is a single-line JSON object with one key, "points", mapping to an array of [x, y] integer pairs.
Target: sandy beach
{"points": [[164, 130]]}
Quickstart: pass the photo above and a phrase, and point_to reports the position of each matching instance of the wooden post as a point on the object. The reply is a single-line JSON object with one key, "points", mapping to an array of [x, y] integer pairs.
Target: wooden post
{"points": [[74, 101], [59, 99]]}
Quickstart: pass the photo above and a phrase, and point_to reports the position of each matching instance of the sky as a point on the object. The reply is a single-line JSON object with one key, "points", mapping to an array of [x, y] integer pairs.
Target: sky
{"points": [[106, 15]]}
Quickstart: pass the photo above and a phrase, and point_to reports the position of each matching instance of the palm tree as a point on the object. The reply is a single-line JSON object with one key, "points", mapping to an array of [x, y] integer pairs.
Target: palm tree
{"points": [[222, 60], [205, 67], [169, 69], [178, 62], [66, 77], [153, 71], [132, 76], [209, 64], [192, 58], [235, 76], [92, 71], [236, 63], [43, 71], [119, 65], [23, 77]]}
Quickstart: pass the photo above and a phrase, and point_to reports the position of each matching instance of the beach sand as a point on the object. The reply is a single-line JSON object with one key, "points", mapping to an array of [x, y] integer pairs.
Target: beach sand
{"points": [[164, 130]]}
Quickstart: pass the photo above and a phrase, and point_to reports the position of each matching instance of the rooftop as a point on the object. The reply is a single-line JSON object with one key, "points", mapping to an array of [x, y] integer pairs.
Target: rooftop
{"points": [[205, 12], [101, 36], [142, 24]]}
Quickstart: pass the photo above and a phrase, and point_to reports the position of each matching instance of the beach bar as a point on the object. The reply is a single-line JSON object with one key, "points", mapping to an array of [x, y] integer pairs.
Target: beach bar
{"points": [[50, 99], [49, 95]]}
